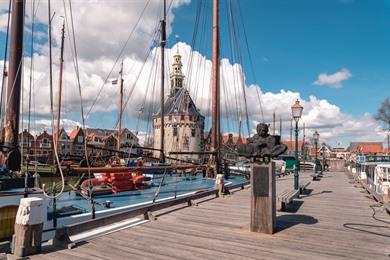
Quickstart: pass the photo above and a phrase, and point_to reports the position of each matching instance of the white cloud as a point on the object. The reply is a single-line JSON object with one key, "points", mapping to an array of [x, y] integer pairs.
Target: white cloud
{"points": [[3, 21], [99, 43], [319, 114], [40, 125], [333, 80]]}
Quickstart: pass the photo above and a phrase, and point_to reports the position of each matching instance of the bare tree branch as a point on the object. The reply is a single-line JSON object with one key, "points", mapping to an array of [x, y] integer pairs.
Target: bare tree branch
{"points": [[383, 114]]}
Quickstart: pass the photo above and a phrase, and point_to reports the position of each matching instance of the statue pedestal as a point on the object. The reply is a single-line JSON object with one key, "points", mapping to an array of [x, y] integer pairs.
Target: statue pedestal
{"points": [[263, 198]]}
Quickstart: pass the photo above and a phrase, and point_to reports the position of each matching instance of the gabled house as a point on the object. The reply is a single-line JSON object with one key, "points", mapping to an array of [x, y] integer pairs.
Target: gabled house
{"points": [[109, 144], [76, 137], [99, 138], [44, 144], [26, 142], [129, 141], [324, 151], [65, 145], [230, 144]]}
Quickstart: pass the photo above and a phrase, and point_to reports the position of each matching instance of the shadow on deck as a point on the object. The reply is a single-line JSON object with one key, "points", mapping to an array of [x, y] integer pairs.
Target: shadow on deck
{"points": [[333, 221]]}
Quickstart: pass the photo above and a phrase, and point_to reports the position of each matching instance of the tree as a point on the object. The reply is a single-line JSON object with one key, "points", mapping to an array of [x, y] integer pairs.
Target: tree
{"points": [[383, 114]]}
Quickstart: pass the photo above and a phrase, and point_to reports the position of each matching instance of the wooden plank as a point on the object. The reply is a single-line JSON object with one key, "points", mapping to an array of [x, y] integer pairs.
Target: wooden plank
{"points": [[219, 228]]}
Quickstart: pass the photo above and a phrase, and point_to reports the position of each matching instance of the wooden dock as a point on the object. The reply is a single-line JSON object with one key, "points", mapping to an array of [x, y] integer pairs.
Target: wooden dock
{"points": [[333, 220]]}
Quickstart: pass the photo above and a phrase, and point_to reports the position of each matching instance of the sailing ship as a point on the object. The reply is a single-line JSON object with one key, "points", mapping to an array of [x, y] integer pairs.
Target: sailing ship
{"points": [[100, 191]]}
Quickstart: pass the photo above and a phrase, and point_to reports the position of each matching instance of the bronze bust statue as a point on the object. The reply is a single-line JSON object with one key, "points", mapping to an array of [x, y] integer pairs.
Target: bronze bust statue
{"points": [[262, 144]]}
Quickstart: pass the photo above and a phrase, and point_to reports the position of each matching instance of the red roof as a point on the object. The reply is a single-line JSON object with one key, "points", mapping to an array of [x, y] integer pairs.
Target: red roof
{"points": [[370, 148], [313, 151], [74, 133], [291, 145]]}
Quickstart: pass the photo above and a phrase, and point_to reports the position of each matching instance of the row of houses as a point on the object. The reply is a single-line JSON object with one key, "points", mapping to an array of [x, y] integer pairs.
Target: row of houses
{"points": [[308, 151], [101, 142]]}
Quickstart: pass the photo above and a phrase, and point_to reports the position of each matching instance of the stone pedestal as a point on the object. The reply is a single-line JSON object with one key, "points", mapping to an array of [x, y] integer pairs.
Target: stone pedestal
{"points": [[263, 198]]}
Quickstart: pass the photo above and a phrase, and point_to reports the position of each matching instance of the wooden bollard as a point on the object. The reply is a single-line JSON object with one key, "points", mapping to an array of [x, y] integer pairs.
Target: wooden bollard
{"points": [[219, 183], [263, 198], [28, 227]]}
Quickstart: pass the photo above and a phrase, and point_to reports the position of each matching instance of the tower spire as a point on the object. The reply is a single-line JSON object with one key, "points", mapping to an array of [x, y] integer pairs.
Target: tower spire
{"points": [[176, 76]]}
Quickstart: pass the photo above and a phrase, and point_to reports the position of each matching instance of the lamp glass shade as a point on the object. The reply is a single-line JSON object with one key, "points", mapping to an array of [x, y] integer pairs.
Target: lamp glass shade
{"points": [[296, 110], [316, 136]]}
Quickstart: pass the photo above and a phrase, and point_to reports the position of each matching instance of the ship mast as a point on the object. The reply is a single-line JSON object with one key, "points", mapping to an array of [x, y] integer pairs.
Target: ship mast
{"points": [[60, 84], [162, 45], [118, 145], [215, 101], [14, 85]]}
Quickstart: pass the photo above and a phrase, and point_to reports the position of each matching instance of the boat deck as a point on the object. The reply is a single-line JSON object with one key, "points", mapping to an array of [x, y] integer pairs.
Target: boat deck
{"points": [[332, 221]]}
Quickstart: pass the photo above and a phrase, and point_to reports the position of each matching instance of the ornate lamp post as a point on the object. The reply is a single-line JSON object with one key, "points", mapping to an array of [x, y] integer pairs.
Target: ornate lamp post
{"points": [[316, 137], [296, 110]]}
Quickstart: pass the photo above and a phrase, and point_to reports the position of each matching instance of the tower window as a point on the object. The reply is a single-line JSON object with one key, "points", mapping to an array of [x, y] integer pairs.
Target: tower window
{"points": [[193, 132], [174, 130]]}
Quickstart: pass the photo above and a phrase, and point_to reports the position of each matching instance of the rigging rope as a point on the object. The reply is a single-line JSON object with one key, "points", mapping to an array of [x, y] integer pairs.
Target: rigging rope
{"points": [[118, 57], [56, 158], [250, 60], [238, 57]]}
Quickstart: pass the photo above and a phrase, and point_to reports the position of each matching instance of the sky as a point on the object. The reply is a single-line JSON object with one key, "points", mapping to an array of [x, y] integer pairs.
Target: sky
{"points": [[331, 54]]}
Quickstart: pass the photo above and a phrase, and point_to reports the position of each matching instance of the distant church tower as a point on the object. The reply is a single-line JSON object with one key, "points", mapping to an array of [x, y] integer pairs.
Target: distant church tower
{"points": [[184, 125]]}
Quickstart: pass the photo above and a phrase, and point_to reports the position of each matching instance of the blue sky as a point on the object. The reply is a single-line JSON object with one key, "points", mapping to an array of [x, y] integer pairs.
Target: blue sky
{"points": [[333, 54], [294, 41]]}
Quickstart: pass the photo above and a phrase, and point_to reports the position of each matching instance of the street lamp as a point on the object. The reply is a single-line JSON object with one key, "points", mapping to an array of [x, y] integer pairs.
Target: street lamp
{"points": [[296, 110], [316, 136]]}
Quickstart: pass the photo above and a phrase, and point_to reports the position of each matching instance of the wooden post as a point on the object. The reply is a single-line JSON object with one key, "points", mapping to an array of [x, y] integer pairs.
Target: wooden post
{"points": [[29, 226], [219, 183], [263, 198]]}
